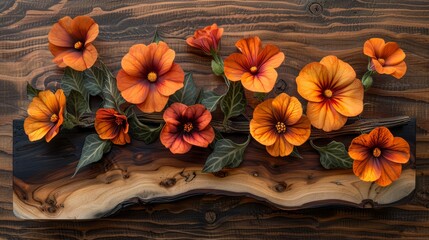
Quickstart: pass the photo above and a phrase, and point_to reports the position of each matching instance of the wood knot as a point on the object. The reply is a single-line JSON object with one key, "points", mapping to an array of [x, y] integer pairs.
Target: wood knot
{"points": [[138, 156], [315, 8], [169, 182], [281, 86], [255, 174], [280, 187], [210, 216], [220, 174]]}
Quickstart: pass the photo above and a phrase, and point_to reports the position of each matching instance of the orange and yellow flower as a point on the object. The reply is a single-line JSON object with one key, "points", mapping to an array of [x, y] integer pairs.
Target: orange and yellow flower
{"points": [[378, 156], [206, 39], [45, 115], [149, 76], [254, 66], [70, 41], [186, 126], [280, 125], [386, 58], [111, 125], [333, 92]]}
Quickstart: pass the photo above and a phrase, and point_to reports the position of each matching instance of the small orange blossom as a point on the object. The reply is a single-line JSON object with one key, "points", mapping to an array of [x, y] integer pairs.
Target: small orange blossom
{"points": [[111, 125], [206, 39]]}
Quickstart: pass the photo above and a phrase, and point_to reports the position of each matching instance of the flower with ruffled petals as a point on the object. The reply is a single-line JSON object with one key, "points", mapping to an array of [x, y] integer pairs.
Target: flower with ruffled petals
{"points": [[70, 41], [149, 76], [386, 58], [333, 92], [254, 66], [45, 115], [206, 39], [186, 126], [378, 156], [280, 125], [111, 125]]}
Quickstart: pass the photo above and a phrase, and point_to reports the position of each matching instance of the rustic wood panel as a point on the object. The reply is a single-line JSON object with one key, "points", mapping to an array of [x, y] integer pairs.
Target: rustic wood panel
{"points": [[307, 33]]}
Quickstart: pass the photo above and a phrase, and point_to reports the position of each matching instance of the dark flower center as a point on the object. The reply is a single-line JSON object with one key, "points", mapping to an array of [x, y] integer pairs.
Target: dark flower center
{"points": [[54, 118], [381, 61], [188, 127], [376, 152], [152, 77], [327, 93], [253, 69], [281, 127], [119, 121], [78, 45]]}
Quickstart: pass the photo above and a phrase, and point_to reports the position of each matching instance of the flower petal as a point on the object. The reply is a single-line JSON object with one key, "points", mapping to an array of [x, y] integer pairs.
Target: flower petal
{"points": [[390, 172], [398, 152], [90, 55], [50, 101], [133, 89], [359, 149], [36, 129], [174, 113], [38, 110], [154, 101], [80, 27], [135, 62], [163, 58], [340, 73], [200, 115], [264, 81], [92, 33], [171, 81], [250, 48], [53, 131], [59, 53], [235, 65], [121, 139], [172, 138], [311, 81], [400, 70], [281, 147], [75, 60], [369, 170], [270, 57], [381, 137], [349, 100], [59, 36], [262, 125], [287, 109], [392, 54], [324, 116], [200, 138], [298, 133], [380, 68], [373, 47]]}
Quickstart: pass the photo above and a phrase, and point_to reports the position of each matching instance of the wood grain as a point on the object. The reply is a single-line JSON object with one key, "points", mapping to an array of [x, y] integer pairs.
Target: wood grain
{"points": [[340, 28]]}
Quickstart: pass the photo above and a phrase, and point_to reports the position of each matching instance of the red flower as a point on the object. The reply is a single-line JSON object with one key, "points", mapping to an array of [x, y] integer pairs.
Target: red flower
{"points": [[206, 39], [186, 126], [111, 125]]}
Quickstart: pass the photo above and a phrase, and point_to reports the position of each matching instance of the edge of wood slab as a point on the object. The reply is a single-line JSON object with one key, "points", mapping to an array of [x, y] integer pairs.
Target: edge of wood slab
{"points": [[131, 175]]}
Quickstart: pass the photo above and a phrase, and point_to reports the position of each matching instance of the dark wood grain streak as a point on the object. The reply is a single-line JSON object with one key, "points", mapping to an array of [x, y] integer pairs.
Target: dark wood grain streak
{"points": [[340, 29]]}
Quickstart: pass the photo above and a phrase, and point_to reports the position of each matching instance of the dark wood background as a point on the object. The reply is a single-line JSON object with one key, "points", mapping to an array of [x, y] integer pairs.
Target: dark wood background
{"points": [[305, 30]]}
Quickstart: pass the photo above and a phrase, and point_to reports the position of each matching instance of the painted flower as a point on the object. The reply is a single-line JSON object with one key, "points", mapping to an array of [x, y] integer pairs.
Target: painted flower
{"points": [[280, 125], [378, 156], [254, 66], [186, 126], [112, 125], [386, 58], [333, 92], [149, 76], [206, 39], [45, 115], [70, 41]]}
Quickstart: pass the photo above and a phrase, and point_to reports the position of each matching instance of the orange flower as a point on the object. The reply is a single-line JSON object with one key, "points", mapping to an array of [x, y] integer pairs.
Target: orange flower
{"points": [[70, 41], [111, 125], [254, 66], [206, 39], [378, 156], [386, 58], [332, 91], [280, 125], [186, 126], [45, 115], [149, 75]]}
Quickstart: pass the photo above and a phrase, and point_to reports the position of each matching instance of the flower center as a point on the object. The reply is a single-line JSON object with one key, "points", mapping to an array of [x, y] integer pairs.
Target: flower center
{"points": [[381, 61], [253, 69], [281, 127], [376, 152], [327, 93], [188, 127], [54, 118], [152, 77], [119, 121], [78, 45]]}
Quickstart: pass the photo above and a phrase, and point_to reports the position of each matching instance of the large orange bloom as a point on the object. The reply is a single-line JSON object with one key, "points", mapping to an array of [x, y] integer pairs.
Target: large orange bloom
{"points": [[45, 115], [254, 66], [111, 125], [70, 41], [280, 125], [386, 58], [186, 126], [332, 91], [206, 39], [149, 75], [378, 156]]}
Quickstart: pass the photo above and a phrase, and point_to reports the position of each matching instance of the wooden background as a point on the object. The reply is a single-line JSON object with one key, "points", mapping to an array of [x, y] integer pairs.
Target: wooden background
{"points": [[305, 30]]}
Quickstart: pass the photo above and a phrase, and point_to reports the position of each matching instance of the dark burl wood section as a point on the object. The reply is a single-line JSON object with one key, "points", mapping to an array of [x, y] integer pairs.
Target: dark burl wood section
{"points": [[305, 30]]}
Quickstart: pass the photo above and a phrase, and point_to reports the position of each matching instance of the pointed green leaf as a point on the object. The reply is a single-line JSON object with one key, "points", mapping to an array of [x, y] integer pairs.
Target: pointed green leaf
{"points": [[111, 95], [225, 154], [31, 91], [218, 136], [69, 121], [186, 95], [143, 132], [234, 102], [92, 151], [210, 99], [156, 37], [94, 80], [334, 156], [73, 80], [77, 105]]}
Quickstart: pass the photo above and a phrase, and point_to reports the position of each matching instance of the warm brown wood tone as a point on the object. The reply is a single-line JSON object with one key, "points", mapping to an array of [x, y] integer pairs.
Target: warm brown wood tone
{"points": [[308, 32]]}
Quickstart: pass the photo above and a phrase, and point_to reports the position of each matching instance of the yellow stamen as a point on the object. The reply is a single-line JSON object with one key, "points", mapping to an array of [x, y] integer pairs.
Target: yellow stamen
{"points": [[78, 45], [152, 77], [281, 127], [188, 127], [381, 61], [253, 69], [376, 152], [327, 93], [54, 118]]}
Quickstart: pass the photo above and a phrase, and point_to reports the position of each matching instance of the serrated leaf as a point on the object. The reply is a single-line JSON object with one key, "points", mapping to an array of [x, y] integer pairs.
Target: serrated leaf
{"points": [[186, 95], [77, 105], [92, 151], [94, 80], [234, 102], [111, 95], [143, 132], [156, 37], [210, 99], [225, 154], [73, 80], [334, 156], [31, 91]]}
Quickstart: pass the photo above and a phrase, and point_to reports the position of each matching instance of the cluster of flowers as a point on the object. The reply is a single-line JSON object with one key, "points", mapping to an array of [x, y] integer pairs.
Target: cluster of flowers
{"points": [[149, 76]]}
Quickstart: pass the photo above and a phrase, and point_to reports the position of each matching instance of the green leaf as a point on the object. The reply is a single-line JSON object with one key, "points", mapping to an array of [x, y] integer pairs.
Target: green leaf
{"points": [[218, 136], [367, 80], [69, 121], [94, 80], [234, 102], [156, 37], [143, 132], [31, 91], [92, 151], [77, 105], [188, 94], [112, 97], [210, 99], [73, 80], [225, 154], [334, 156], [217, 68], [295, 153]]}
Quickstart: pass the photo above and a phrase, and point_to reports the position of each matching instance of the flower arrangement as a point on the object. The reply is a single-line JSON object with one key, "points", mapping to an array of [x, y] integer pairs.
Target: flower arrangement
{"points": [[152, 97]]}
